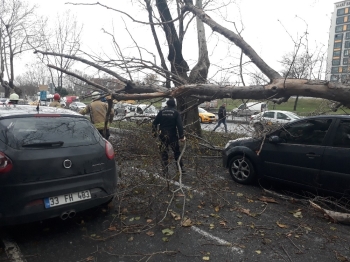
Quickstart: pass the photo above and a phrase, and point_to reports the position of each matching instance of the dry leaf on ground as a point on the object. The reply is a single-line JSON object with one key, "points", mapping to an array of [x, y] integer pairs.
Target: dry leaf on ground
{"points": [[187, 223], [167, 232], [281, 225], [267, 199], [150, 233]]}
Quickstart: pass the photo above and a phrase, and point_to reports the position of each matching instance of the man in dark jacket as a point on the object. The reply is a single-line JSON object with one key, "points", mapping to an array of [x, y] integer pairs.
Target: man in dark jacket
{"points": [[170, 130], [222, 117]]}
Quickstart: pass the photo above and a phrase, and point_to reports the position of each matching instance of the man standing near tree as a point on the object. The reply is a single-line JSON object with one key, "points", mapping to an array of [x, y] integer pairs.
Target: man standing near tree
{"points": [[222, 117], [170, 131]]}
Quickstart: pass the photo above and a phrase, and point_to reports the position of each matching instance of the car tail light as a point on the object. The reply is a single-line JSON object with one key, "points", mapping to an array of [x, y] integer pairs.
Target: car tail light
{"points": [[109, 150], [5, 163]]}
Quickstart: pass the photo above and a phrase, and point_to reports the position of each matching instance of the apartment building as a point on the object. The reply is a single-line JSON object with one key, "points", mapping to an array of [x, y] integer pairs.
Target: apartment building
{"points": [[338, 59]]}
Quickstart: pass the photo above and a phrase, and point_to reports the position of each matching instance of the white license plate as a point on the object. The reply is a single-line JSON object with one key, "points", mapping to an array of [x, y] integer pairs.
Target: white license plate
{"points": [[67, 198]]}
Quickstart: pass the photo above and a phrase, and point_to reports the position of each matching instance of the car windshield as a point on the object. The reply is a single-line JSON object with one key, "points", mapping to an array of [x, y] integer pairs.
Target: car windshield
{"points": [[72, 131], [292, 115], [201, 110], [79, 104]]}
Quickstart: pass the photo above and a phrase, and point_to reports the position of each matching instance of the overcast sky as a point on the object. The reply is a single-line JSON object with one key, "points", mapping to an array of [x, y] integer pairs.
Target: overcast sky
{"points": [[269, 26]]}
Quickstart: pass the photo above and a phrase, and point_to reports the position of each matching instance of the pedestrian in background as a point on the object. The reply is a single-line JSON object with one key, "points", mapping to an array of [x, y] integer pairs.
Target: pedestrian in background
{"points": [[170, 131], [98, 112], [222, 117]]}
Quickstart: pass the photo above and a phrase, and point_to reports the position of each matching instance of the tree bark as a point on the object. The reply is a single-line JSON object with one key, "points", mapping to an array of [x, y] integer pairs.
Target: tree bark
{"points": [[295, 103], [238, 40]]}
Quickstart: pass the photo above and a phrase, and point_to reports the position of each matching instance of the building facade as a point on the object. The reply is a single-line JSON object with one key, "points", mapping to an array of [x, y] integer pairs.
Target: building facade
{"points": [[338, 59]]}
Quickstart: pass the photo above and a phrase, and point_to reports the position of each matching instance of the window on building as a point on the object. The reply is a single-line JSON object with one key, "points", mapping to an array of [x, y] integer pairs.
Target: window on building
{"points": [[341, 11], [347, 35], [344, 69], [346, 52], [334, 78], [340, 20], [336, 62], [347, 44], [344, 78], [338, 45], [340, 36], [339, 28], [336, 53], [345, 61], [334, 69]]}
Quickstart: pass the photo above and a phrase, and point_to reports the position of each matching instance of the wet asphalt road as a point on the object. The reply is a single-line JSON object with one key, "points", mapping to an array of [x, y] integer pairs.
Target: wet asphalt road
{"points": [[229, 224]]}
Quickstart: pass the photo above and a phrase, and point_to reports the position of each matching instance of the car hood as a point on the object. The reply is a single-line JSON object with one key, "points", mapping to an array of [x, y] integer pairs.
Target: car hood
{"points": [[242, 140], [206, 114]]}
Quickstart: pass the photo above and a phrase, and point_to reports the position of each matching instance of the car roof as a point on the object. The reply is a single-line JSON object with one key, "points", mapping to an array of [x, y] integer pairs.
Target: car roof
{"points": [[11, 110]]}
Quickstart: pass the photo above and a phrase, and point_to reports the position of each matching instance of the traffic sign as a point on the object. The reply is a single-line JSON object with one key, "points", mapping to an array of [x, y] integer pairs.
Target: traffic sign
{"points": [[42, 95]]}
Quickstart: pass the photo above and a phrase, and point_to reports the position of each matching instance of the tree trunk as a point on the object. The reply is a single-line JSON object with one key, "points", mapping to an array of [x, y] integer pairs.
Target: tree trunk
{"points": [[190, 117], [295, 103]]}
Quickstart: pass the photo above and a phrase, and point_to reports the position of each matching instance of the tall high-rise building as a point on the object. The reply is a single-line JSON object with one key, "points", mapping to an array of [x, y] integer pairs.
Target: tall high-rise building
{"points": [[338, 59]]}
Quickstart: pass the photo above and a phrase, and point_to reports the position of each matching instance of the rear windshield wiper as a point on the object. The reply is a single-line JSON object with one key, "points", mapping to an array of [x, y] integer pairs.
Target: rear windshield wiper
{"points": [[45, 144]]}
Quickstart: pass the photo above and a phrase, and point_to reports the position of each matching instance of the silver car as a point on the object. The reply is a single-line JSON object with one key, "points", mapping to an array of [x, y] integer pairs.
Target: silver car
{"points": [[77, 106], [270, 118]]}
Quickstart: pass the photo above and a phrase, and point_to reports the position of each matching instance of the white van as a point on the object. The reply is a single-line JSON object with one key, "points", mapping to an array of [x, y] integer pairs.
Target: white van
{"points": [[248, 109]]}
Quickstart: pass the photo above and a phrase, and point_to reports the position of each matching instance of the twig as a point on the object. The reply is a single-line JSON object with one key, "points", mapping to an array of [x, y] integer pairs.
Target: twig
{"points": [[285, 251], [295, 245], [179, 189]]}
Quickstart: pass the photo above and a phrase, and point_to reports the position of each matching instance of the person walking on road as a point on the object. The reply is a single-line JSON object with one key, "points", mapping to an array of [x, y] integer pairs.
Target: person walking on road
{"points": [[170, 131], [98, 113], [222, 117]]}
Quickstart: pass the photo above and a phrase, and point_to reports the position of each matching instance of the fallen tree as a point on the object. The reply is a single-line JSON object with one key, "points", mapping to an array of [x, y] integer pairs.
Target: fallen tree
{"points": [[194, 88]]}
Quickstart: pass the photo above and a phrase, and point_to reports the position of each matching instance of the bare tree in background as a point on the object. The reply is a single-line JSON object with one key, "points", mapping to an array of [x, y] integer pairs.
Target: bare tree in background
{"points": [[35, 74], [65, 39], [19, 32], [303, 66]]}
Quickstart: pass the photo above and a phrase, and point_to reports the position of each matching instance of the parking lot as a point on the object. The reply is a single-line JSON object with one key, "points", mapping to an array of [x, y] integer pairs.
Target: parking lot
{"points": [[224, 221]]}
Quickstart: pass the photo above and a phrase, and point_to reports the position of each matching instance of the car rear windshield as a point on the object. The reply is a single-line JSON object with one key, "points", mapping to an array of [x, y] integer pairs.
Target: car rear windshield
{"points": [[63, 131]]}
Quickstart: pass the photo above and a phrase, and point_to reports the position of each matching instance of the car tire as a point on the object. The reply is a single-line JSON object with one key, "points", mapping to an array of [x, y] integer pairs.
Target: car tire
{"points": [[258, 127], [242, 170]]}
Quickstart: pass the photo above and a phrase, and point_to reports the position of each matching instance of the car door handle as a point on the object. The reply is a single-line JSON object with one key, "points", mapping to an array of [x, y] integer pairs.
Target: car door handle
{"points": [[312, 155]]}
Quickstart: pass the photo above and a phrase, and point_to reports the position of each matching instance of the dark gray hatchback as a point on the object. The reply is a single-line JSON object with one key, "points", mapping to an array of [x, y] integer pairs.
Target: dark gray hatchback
{"points": [[53, 162], [312, 152]]}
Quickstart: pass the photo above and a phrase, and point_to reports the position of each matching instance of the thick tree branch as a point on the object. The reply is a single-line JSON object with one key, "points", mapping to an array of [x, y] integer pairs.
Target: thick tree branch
{"points": [[199, 73], [239, 41], [129, 84]]}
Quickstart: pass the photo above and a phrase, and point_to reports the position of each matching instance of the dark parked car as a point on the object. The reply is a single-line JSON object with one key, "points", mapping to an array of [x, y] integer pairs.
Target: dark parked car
{"points": [[312, 152], [52, 163]]}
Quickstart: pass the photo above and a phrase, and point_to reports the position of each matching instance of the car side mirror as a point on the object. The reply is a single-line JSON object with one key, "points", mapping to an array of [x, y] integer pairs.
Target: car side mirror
{"points": [[275, 139]]}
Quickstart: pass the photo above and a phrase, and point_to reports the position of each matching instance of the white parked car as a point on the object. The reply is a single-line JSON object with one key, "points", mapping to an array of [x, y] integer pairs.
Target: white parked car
{"points": [[77, 106], [4, 101], [272, 117], [142, 112]]}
